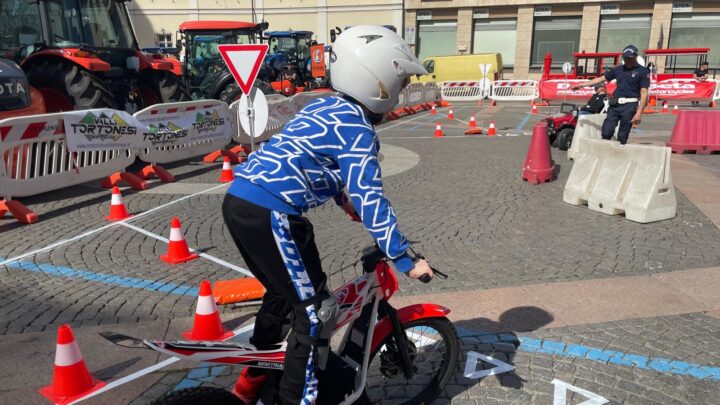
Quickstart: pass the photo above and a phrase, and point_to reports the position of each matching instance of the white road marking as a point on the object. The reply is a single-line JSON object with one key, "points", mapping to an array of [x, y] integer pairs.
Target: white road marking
{"points": [[471, 370], [560, 394], [148, 370], [108, 226], [203, 255]]}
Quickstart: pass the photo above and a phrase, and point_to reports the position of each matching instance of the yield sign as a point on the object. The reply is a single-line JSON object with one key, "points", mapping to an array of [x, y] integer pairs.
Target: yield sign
{"points": [[471, 370], [244, 62]]}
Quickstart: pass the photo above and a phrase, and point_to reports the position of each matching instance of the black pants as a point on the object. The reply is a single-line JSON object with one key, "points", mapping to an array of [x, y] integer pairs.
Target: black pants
{"points": [[280, 251], [623, 113]]}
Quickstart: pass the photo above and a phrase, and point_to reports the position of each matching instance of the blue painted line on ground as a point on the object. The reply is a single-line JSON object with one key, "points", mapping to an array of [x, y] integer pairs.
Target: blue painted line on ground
{"points": [[524, 121], [555, 348], [109, 279], [206, 372]]}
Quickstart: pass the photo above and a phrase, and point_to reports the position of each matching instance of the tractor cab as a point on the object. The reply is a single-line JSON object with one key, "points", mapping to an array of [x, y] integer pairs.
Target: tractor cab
{"points": [[83, 54], [288, 59], [203, 69]]}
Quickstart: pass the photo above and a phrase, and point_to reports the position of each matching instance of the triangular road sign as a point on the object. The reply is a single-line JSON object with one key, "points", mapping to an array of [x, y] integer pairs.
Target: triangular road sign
{"points": [[471, 370], [244, 62], [561, 389]]}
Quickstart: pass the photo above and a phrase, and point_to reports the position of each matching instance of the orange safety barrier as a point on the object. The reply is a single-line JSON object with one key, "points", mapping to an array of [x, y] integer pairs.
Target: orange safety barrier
{"points": [[237, 290]]}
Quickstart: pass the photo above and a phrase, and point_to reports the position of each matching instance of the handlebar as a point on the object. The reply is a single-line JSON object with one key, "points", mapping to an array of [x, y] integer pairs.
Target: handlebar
{"points": [[425, 278]]}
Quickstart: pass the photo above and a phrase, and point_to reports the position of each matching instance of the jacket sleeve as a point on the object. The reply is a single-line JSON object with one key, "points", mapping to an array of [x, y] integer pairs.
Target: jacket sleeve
{"points": [[360, 171]]}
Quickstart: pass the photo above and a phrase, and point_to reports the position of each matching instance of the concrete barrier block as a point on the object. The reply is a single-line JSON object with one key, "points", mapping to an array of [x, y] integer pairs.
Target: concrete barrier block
{"points": [[615, 179]]}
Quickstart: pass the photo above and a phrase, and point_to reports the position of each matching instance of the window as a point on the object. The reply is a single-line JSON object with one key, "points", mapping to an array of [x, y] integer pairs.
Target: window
{"points": [[497, 35], [436, 38], [93, 23], [696, 31], [20, 28], [559, 35], [164, 40], [618, 31]]}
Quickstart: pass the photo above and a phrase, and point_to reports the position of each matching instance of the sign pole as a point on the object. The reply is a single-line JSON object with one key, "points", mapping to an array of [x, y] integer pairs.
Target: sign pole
{"points": [[251, 116]]}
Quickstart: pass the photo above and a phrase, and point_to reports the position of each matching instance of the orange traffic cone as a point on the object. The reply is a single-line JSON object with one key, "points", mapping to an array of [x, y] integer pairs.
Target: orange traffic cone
{"points": [[653, 101], [118, 212], [493, 103], [665, 108], [676, 110], [178, 251], [491, 129], [534, 109], [451, 116], [226, 175], [472, 123], [71, 378], [438, 131], [433, 111], [207, 324]]}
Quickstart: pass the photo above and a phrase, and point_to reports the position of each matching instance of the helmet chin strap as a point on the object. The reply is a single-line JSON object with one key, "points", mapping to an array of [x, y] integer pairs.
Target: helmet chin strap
{"points": [[374, 118]]}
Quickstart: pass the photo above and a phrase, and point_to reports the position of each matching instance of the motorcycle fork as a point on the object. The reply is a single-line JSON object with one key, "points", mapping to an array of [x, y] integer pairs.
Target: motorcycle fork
{"points": [[400, 338]]}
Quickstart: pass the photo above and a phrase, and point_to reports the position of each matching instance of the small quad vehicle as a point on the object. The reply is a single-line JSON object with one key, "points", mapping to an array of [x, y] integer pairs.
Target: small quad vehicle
{"points": [[561, 126]]}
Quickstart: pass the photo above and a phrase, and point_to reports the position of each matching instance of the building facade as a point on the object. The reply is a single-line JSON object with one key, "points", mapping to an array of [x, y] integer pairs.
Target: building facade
{"points": [[156, 21], [523, 31]]}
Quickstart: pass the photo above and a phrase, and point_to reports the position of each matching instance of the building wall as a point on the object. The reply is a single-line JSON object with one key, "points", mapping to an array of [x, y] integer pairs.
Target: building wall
{"points": [[661, 12], [151, 17]]}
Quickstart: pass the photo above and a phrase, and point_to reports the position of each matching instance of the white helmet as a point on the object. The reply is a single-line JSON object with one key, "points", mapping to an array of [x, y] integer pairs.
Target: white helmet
{"points": [[372, 64]]}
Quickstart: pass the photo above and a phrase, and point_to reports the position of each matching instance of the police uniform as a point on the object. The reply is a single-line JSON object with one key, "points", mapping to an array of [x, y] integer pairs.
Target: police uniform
{"points": [[629, 83]]}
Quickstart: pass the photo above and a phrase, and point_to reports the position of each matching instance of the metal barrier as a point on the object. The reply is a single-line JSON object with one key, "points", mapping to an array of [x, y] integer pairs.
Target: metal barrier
{"points": [[431, 93], [281, 109], [515, 90], [214, 122], [35, 159], [461, 90], [415, 94]]}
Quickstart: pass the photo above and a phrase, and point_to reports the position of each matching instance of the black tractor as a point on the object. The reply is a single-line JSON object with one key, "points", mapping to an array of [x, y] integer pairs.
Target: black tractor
{"points": [[204, 70]]}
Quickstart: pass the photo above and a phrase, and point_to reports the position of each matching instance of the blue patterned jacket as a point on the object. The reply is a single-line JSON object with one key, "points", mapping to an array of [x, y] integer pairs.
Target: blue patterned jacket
{"points": [[327, 146]]}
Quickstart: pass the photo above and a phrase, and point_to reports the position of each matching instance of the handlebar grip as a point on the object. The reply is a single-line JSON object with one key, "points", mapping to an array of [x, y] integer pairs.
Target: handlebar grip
{"points": [[425, 278]]}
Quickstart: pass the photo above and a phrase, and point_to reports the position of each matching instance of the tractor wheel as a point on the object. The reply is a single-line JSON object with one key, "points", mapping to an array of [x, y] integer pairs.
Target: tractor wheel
{"points": [[165, 86], [232, 92], [66, 85]]}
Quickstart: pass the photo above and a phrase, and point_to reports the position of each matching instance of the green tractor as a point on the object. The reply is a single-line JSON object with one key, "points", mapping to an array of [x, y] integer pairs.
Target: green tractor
{"points": [[83, 54], [203, 69]]}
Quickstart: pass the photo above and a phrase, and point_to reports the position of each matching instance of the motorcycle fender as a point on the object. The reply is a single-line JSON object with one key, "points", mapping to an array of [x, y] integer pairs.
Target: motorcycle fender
{"points": [[406, 314]]}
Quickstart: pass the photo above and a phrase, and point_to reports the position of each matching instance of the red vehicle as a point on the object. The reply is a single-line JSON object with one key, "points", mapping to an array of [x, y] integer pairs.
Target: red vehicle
{"points": [[586, 65], [83, 54], [17, 97], [388, 348], [561, 126]]}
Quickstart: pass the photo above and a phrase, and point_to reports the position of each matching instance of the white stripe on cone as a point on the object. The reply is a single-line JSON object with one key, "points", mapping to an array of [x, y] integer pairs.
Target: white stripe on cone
{"points": [[116, 199], [176, 235], [206, 305], [67, 354], [226, 165]]}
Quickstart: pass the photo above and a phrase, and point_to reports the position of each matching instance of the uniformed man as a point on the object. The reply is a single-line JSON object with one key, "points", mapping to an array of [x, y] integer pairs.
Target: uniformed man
{"points": [[628, 100]]}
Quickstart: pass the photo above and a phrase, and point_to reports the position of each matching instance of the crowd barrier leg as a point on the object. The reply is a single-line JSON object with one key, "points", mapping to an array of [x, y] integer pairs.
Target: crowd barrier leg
{"points": [[232, 154], [131, 179], [21, 213], [156, 170]]}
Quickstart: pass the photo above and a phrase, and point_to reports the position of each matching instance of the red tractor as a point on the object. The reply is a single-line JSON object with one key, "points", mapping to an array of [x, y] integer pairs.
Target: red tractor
{"points": [[83, 54]]}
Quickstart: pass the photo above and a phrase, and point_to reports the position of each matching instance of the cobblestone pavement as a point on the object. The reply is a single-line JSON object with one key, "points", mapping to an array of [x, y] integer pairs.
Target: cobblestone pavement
{"points": [[465, 205], [619, 361]]}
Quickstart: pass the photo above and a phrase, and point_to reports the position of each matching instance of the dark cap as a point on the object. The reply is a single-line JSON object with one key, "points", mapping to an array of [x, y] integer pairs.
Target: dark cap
{"points": [[630, 51]]}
